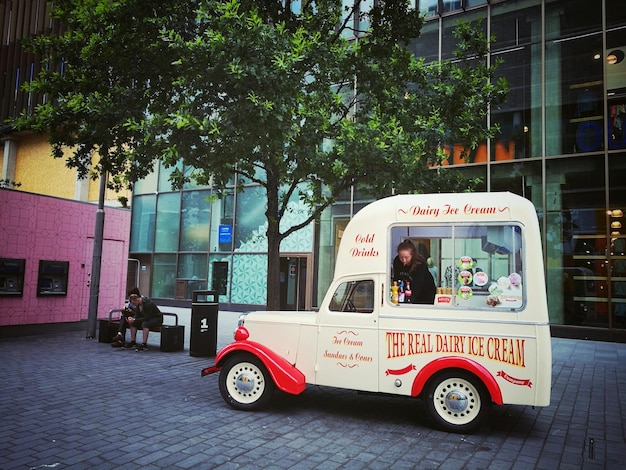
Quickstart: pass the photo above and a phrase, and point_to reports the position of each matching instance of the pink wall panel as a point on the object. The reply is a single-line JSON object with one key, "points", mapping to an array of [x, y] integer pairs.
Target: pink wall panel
{"points": [[34, 228]]}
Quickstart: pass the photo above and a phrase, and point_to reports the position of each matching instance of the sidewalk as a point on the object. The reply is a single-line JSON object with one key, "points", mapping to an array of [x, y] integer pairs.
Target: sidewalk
{"points": [[72, 403]]}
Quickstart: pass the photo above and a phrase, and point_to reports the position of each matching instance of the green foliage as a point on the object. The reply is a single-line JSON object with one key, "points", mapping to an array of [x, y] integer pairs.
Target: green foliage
{"points": [[105, 69], [297, 100]]}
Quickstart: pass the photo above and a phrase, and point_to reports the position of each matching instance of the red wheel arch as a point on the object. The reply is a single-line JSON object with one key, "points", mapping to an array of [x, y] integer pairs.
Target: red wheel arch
{"points": [[286, 377], [457, 363]]}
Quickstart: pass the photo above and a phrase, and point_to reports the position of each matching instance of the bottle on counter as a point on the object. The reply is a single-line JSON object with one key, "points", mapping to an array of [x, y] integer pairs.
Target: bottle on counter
{"points": [[401, 291], [394, 292], [407, 293]]}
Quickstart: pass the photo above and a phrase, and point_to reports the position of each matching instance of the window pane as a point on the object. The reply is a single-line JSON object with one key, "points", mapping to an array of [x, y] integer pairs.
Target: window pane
{"points": [[339, 297], [250, 215], [192, 184], [354, 296], [195, 214], [142, 227], [427, 45], [514, 26], [518, 47], [191, 275], [147, 185], [519, 133], [164, 276], [576, 241], [617, 205], [572, 18], [222, 222], [615, 13], [523, 178], [192, 266], [428, 7], [168, 222], [475, 267], [427, 243], [448, 42], [165, 184], [451, 5]]}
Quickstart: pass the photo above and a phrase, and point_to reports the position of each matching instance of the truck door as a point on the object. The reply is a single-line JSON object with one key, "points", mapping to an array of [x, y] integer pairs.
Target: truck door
{"points": [[347, 352]]}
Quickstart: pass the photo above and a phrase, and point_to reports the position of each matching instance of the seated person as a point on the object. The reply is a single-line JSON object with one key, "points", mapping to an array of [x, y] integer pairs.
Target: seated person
{"points": [[129, 315], [410, 266], [148, 316]]}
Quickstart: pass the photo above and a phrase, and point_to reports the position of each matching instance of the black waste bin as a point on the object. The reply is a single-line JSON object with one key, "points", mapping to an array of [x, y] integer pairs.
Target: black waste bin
{"points": [[107, 330], [203, 335], [172, 338]]}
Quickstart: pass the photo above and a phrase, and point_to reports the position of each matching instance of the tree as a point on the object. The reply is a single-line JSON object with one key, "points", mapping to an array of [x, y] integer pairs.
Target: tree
{"points": [[304, 98]]}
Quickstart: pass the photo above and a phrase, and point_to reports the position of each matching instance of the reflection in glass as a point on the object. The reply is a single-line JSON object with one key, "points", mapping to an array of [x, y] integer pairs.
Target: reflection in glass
{"points": [[164, 276], [195, 218], [576, 242], [146, 185], [165, 184], [617, 206], [251, 220], [167, 222], [192, 266], [523, 178], [142, 225]]}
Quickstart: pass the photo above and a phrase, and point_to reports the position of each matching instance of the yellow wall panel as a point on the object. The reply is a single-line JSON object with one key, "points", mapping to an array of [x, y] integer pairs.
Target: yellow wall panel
{"points": [[39, 173]]}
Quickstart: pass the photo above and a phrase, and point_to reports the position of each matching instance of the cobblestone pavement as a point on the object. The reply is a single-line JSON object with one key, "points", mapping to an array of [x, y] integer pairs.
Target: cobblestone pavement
{"points": [[71, 403]]}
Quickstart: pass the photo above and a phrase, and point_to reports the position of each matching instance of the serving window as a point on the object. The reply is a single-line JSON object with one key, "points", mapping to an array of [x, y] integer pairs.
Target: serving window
{"points": [[52, 279], [12, 276], [473, 266]]}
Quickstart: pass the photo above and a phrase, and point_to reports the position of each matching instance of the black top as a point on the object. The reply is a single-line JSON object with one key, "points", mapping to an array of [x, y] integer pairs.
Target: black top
{"points": [[148, 310], [423, 287]]}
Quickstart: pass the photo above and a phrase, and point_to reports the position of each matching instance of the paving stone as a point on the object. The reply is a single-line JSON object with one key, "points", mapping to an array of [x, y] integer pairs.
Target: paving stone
{"points": [[75, 403]]}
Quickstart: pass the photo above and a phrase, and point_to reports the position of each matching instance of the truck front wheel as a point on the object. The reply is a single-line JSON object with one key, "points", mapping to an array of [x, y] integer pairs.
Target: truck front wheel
{"points": [[456, 401], [245, 383]]}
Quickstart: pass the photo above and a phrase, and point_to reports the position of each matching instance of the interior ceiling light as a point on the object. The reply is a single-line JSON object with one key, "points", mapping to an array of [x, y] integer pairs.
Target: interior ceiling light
{"points": [[617, 213], [616, 224], [615, 57]]}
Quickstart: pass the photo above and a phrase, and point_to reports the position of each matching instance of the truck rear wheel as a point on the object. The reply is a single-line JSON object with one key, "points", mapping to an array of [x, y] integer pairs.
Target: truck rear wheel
{"points": [[456, 401], [245, 383]]}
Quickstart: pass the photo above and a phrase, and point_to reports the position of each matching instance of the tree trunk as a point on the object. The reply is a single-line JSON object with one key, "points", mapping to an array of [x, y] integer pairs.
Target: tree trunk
{"points": [[273, 246]]}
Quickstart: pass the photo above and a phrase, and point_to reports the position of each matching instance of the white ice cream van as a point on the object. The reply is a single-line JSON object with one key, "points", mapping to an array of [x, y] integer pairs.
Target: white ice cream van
{"points": [[482, 339]]}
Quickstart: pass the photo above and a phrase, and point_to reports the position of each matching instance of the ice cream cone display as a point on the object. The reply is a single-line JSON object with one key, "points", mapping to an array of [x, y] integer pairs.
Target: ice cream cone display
{"points": [[506, 292]]}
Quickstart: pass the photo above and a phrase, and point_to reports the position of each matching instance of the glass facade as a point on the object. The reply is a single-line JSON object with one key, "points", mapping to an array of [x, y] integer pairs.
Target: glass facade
{"points": [[562, 145], [562, 142], [187, 240]]}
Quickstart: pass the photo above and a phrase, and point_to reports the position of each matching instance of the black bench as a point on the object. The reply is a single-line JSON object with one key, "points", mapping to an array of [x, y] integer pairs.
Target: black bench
{"points": [[172, 336]]}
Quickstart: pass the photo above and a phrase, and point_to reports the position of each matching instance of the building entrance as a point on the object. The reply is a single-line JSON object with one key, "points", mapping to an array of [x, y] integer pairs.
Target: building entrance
{"points": [[295, 291]]}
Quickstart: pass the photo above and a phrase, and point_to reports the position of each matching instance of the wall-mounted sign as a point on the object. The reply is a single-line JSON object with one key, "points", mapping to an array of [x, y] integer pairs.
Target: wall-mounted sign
{"points": [[225, 234]]}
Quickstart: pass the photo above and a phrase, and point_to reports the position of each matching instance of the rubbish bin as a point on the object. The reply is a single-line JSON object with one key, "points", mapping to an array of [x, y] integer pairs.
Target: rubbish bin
{"points": [[203, 335], [107, 330], [172, 338]]}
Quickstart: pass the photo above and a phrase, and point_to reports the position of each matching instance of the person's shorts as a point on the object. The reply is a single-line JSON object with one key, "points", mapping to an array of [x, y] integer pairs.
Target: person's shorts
{"points": [[151, 323]]}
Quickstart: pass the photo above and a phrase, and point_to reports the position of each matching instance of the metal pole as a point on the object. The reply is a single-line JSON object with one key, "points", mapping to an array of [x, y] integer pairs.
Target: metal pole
{"points": [[98, 236]]}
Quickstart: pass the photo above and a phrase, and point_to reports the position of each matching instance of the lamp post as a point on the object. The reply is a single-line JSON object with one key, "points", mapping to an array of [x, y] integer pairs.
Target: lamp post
{"points": [[98, 236]]}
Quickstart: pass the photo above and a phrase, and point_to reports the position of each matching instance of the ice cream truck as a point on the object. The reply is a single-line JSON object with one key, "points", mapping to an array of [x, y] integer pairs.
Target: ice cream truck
{"points": [[482, 339]]}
